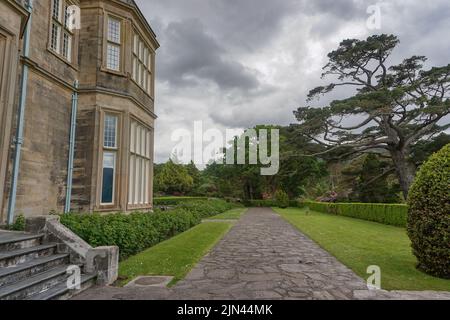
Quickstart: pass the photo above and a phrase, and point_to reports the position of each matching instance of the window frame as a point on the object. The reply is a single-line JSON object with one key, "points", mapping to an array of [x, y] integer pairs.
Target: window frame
{"points": [[116, 150], [142, 63], [113, 195], [140, 159], [60, 22], [107, 42]]}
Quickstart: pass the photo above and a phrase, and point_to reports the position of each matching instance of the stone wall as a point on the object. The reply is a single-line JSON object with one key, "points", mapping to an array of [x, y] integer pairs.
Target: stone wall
{"points": [[12, 18], [43, 166]]}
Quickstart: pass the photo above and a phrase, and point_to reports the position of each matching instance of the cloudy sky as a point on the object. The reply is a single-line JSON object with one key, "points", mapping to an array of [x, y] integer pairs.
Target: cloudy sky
{"points": [[237, 63]]}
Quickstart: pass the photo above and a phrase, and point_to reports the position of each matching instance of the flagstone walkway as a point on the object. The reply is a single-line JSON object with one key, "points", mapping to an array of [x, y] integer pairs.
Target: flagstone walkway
{"points": [[264, 257]]}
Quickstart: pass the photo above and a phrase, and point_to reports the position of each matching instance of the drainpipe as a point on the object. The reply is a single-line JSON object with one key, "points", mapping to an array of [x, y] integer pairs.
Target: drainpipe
{"points": [[18, 141], [73, 127]]}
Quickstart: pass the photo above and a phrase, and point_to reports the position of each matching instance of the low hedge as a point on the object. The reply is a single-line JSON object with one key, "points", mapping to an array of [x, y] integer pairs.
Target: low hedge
{"points": [[135, 232], [207, 208], [270, 203], [390, 214], [173, 201]]}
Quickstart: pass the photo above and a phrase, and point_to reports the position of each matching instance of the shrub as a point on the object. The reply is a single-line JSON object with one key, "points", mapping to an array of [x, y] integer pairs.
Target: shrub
{"points": [[270, 203], [282, 199], [173, 201], [207, 208], [429, 215], [390, 214], [18, 225], [136, 232]]}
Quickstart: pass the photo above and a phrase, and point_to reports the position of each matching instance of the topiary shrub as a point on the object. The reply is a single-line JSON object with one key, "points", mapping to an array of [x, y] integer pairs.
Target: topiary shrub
{"points": [[429, 215], [282, 199]]}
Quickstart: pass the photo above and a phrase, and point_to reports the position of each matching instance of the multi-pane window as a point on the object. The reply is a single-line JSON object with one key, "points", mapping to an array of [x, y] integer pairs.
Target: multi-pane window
{"points": [[110, 129], [113, 48], [140, 165], [142, 64], [110, 147], [61, 37]]}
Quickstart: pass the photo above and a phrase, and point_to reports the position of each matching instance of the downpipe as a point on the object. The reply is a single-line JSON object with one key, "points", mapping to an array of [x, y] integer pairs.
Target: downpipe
{"points": [[73, 129]]}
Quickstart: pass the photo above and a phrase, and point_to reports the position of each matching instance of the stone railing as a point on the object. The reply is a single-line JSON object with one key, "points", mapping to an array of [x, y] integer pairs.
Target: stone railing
{"points": [[103, 261]]}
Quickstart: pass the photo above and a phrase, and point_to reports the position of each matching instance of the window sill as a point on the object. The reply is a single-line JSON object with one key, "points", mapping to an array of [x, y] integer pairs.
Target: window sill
{"points": [[140, 87], [67, 62], [108, 208], [116, 73], [139, 207]]}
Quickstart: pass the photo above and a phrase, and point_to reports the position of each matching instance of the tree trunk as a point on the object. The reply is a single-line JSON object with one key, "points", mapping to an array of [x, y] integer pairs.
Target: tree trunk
{"points": [[405, 170]]}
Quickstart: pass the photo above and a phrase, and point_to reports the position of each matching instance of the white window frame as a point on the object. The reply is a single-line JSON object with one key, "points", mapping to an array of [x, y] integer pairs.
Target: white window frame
{"points": [[114, 43], [142, 73], [59, 24], [114, 154], [140, 159], [110, 150]]}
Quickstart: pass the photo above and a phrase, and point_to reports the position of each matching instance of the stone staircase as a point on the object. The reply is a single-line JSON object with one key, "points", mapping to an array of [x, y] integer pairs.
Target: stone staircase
{"points": [[31, 269]]}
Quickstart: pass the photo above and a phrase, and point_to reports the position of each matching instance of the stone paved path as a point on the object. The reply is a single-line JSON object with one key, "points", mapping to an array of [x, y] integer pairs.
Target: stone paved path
{"points": [[263, 257]]}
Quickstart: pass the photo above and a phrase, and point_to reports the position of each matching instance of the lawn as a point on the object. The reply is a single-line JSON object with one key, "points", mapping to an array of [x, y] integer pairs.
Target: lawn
{"points": [[233, 214], [176, 256], [359, 244]]}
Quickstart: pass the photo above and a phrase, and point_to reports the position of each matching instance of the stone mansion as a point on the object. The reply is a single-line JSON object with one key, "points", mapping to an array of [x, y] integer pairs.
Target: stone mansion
{"points": [[76, 107]]}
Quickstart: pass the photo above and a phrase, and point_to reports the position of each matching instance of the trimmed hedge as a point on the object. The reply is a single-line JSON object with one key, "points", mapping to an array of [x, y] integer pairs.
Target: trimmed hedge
{"points": [[390, 214], [429, 215], [173, 201], [135, 232], [270, 203]]}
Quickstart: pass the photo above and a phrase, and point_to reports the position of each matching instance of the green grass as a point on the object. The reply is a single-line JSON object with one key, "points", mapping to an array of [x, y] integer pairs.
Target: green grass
{"points": [[359, 244], [233, 214], [176, 256]]}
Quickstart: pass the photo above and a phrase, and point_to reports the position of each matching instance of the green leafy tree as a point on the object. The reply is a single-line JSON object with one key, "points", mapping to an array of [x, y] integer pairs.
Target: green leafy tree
{"points": [[195, 173], [423, 149], [394, 106], [372, 185], [172, 178], [282, 199], [296, 173]]}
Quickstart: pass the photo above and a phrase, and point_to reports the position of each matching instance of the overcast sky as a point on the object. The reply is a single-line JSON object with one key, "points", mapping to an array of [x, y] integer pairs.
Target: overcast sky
{"points": [[238, 63]]}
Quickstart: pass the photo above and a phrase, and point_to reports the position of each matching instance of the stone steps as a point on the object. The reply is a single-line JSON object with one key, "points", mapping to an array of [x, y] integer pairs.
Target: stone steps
{"points": [[15, 257], [30, 269], [11, 241], [62, 292]]}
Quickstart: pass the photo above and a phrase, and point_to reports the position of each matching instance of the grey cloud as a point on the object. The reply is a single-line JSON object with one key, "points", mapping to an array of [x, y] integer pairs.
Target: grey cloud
{"points": [[190, 55], [342, 9], [244, 25]]}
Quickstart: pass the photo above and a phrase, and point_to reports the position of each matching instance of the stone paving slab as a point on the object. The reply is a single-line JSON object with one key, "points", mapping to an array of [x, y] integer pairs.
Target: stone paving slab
{"points": [[265, 257]]}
